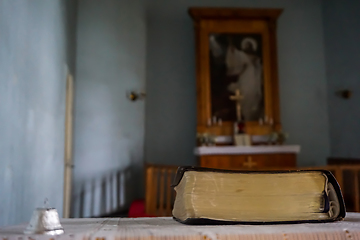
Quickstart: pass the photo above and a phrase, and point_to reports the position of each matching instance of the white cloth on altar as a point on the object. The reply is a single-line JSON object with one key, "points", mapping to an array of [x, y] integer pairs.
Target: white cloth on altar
{"points": [[167, 228], [238, 150]]}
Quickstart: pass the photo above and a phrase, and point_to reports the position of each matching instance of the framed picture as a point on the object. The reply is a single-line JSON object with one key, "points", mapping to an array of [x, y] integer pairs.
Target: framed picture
{"points": [[237, 68]]}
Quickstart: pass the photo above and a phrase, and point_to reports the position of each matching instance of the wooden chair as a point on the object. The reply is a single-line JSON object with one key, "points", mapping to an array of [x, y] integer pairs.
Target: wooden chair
{"points": [[159, 195], [348, 179]]}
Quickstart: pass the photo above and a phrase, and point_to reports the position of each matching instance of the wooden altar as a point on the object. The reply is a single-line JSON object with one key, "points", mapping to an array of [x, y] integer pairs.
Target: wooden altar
{"points": [[248, 157]]}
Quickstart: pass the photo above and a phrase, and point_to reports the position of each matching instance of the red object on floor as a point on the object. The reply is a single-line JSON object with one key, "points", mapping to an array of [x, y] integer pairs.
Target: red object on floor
{"points": [[137, 209]]}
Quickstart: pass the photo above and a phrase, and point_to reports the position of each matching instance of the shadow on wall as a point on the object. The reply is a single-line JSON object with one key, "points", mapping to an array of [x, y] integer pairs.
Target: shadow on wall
{"points": [[103, 196]]}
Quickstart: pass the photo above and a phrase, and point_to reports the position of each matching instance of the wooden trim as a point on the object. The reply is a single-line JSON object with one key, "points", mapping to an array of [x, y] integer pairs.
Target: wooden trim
{"points": [[356, 191], [160, 166], [162, 190], [168, 192], [339, 176], [199, 13], [343, 161], [275, 80], [68, 150], [149, 190]]}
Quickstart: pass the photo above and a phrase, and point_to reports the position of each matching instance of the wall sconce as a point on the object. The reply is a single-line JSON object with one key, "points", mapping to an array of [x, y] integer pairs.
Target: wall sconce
{"points": [[345, 93], [133, 95]]}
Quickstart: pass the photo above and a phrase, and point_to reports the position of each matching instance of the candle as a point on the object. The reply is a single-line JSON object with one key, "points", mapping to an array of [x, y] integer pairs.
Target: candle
{"points": [[261, 121], [214, 120]]}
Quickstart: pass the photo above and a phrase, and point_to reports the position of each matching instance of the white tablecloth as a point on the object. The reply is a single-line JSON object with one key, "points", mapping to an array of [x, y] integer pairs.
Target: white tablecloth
{"points": [[237, 150], [169, 229]]}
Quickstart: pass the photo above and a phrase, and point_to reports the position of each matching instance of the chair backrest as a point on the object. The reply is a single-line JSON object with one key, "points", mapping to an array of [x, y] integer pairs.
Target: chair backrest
{"points": [[348, 178], [159, 195]]}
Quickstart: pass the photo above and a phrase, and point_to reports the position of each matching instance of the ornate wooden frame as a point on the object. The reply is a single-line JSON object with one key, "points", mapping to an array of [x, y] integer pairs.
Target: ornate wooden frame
{"points": [[236, 20]]}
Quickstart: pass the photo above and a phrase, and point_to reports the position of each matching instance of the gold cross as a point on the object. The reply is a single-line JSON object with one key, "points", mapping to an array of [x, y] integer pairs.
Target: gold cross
{"points": [[237, 97], [249, 163]]}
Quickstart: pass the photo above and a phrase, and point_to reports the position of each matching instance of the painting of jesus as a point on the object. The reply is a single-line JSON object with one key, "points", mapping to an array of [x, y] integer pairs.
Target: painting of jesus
{"points": [[236, 64]]}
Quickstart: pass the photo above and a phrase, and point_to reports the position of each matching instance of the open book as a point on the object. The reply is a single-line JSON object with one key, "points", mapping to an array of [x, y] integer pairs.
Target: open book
{"points": [[205, 196]]}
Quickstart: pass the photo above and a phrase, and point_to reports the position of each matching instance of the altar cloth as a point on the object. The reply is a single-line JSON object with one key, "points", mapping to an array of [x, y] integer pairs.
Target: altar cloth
{"points": [[238, 150], [166, 228]]}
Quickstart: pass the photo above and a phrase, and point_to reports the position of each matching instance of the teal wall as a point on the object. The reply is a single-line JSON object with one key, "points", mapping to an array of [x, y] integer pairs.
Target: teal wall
{"points": [[342, 37], [171, 94], [36, 43]]}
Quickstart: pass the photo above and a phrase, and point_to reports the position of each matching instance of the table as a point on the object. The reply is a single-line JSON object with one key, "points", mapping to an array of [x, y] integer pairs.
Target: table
{"points": [[169, 229]]}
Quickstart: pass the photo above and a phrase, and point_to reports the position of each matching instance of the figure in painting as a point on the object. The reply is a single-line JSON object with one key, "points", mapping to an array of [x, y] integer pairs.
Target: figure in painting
{"points": [[247, 67], [241, 61]]}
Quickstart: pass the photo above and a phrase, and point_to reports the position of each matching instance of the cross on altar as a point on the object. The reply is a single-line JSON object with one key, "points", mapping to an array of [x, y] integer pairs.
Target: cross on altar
{"points": [[249, 163], [237, 98]]}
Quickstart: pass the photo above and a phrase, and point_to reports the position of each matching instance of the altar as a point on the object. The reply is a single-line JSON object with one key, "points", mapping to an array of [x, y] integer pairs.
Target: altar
{"points": [[167, 228], [248, 157]]}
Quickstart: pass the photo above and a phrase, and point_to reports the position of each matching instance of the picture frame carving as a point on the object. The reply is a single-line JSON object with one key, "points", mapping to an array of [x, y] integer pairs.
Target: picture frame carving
{"points": [[236, 49]]}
